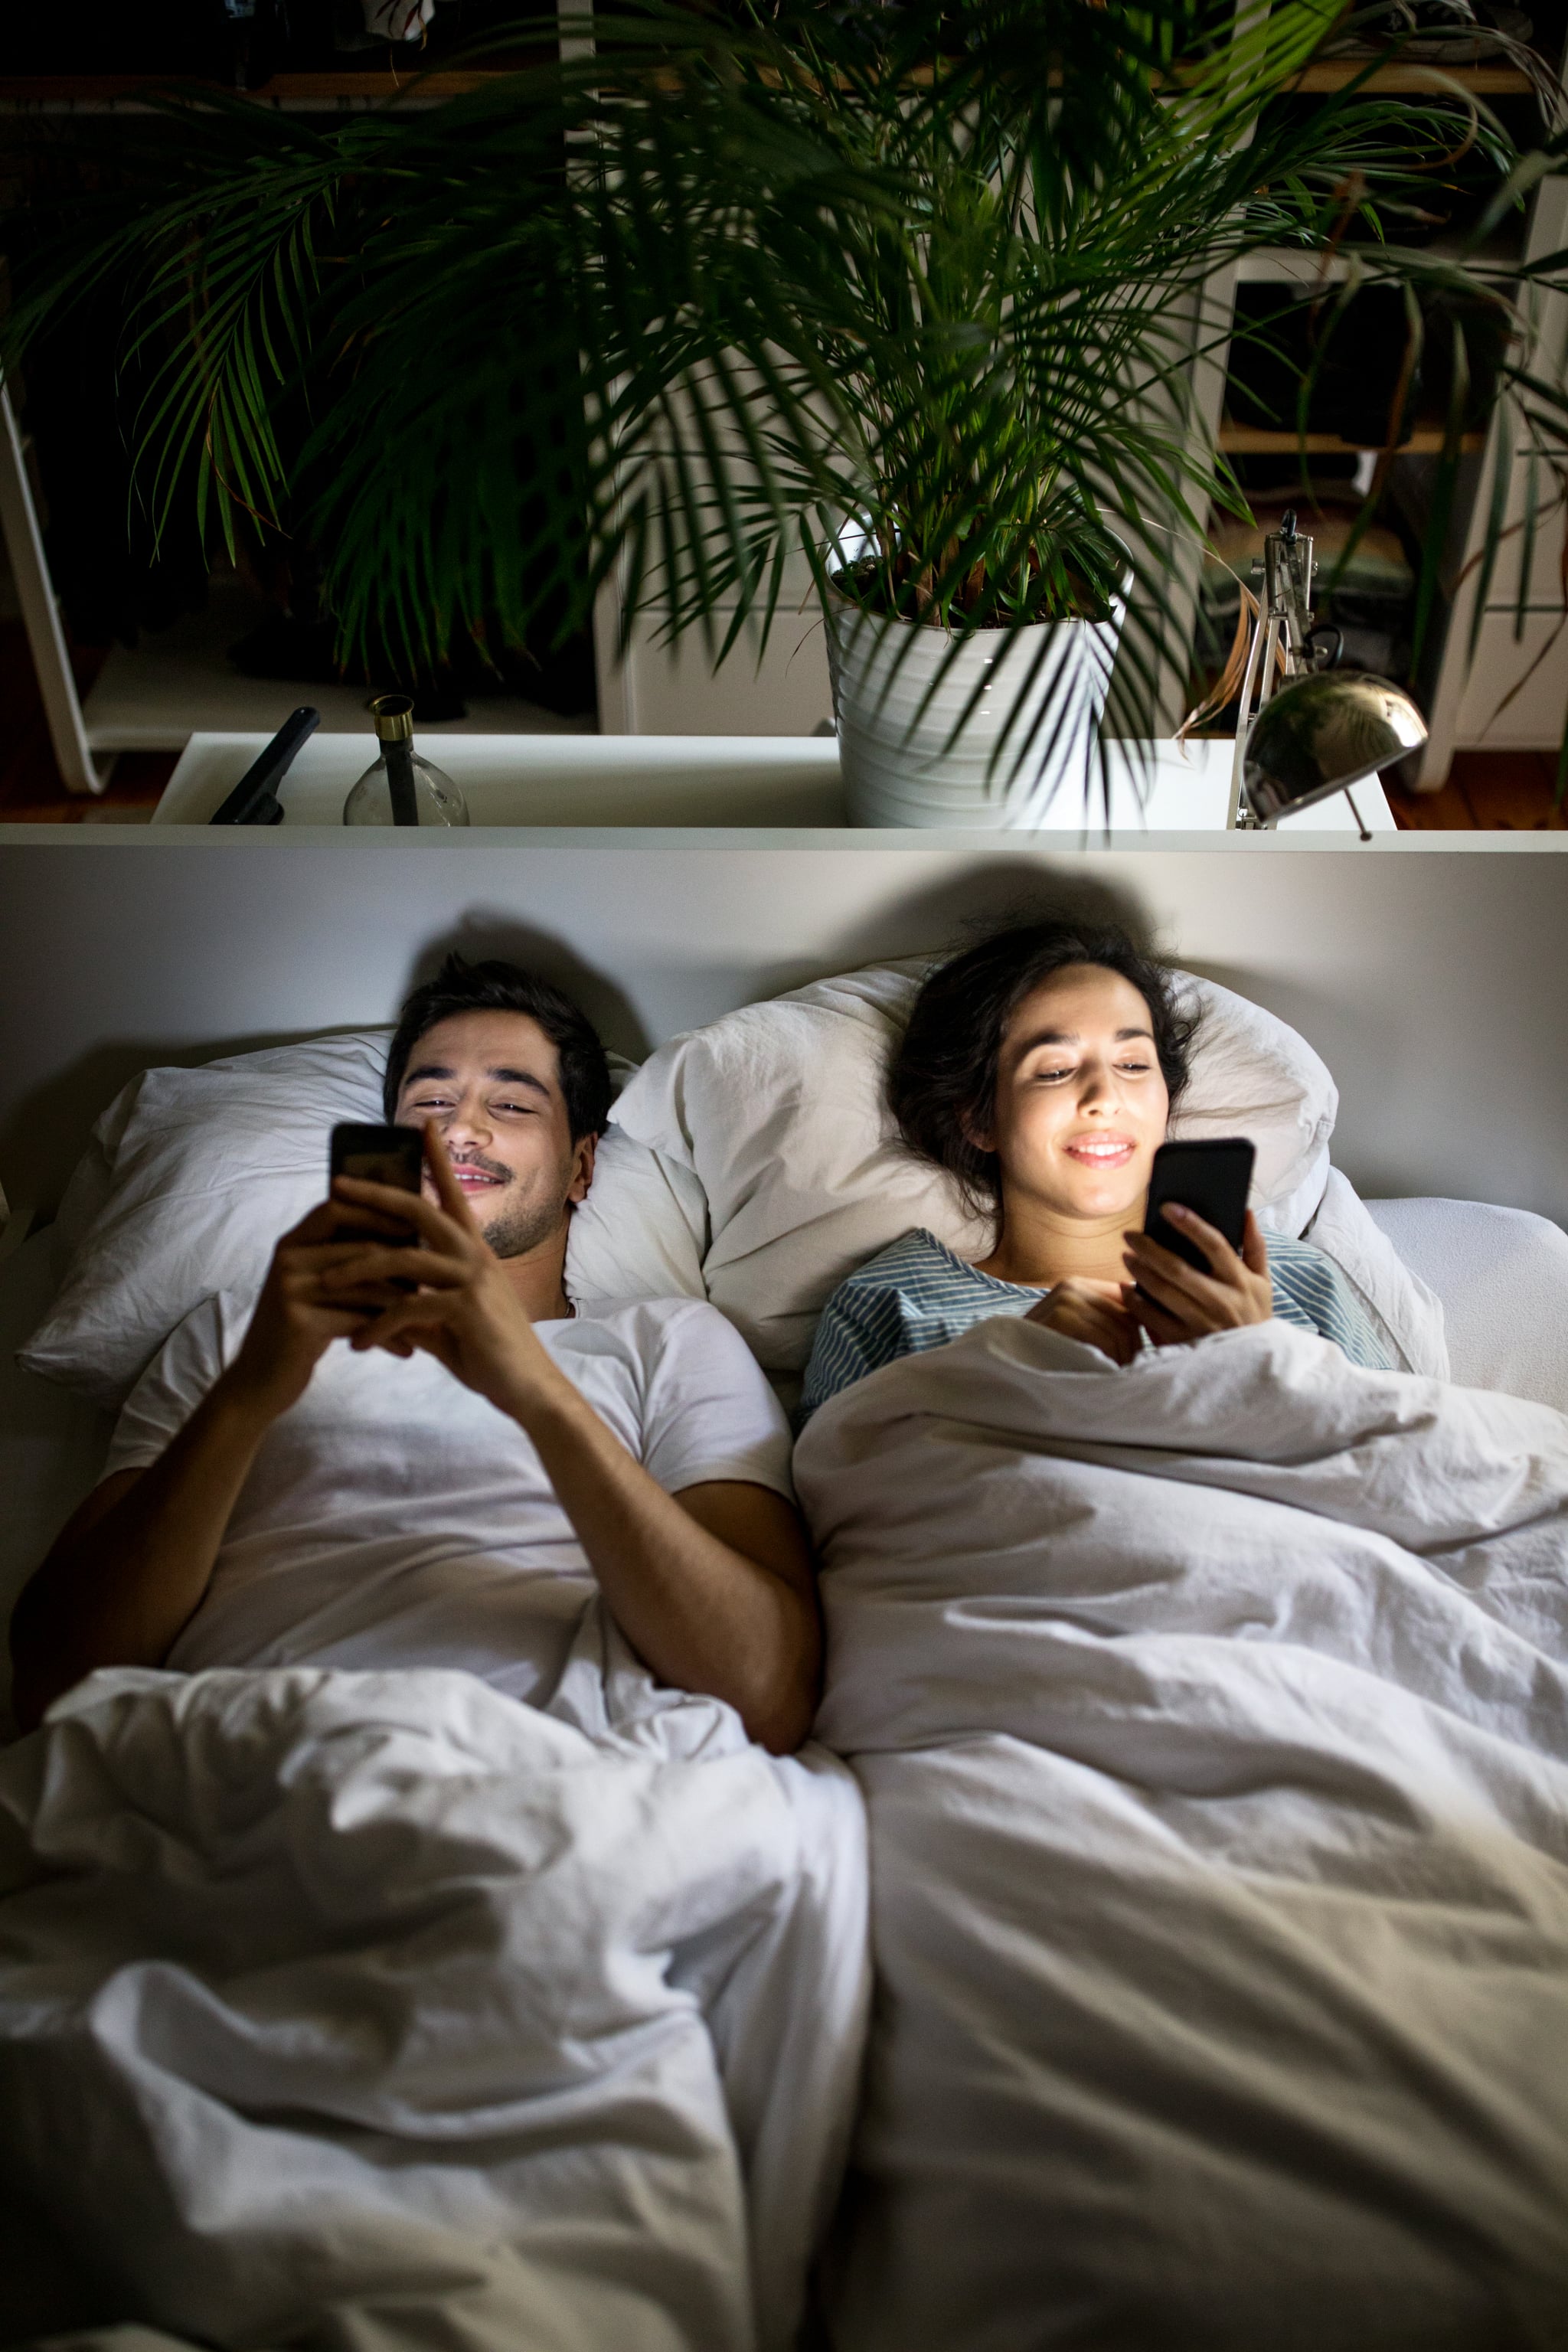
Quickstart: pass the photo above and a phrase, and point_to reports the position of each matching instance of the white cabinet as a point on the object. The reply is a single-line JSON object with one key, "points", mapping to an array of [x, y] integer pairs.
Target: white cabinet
{"points": [[781, 689]]}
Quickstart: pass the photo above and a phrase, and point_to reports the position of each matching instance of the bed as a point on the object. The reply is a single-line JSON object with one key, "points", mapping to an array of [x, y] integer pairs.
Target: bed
{"points": [[989, 2203]]}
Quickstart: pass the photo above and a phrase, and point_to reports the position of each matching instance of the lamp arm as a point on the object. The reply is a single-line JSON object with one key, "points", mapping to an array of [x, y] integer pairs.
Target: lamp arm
{"points": [[1242, 724]]}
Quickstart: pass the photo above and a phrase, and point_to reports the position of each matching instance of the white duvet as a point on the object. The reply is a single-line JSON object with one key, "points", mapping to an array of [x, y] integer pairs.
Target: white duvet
{"points": [[380, 2012], [1213, 1717]]}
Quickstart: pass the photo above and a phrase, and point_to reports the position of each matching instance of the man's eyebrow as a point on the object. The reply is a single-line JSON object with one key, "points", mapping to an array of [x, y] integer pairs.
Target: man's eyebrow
{"points": [[501, 1070], [518, 1078]]}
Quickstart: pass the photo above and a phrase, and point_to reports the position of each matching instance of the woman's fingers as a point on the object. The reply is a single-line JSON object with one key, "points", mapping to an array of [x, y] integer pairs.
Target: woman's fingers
{"points": [[1179, 1301], [1114, 1335], [1222, 1258], [1091, 1312], [1162, 1328], [1170, 1280], [1254, 1248]]}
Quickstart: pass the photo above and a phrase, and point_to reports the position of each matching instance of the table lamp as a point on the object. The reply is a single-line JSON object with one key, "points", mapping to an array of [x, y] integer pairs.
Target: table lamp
{"points": [[1322, 730]]}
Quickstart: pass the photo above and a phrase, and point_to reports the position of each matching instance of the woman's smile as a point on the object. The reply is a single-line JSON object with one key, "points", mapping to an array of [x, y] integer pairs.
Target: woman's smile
{"points": [[1101, 1150]]}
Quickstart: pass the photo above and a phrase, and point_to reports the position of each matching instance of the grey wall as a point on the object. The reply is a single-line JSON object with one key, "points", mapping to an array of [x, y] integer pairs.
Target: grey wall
{"points": [[1434, 983]]}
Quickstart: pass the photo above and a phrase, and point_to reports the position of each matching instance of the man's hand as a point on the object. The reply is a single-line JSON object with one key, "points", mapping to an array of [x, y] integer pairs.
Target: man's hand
{"points": [[1184, 1303], [465, 1312], [307, 1301], [1091, 1311]]}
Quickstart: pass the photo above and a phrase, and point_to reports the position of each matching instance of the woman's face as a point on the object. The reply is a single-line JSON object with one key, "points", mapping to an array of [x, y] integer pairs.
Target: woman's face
{"points": [[1080, 1103]]}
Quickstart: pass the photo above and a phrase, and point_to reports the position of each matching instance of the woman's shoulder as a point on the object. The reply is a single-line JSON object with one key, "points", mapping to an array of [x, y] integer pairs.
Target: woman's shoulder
{"points": [[1289, 1253], [1313, 1290], [915, 1257]]}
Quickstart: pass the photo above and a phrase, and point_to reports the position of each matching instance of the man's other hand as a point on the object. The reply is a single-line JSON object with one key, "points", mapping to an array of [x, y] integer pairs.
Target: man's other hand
{"points": [[306, 1303], [464, 1311]]}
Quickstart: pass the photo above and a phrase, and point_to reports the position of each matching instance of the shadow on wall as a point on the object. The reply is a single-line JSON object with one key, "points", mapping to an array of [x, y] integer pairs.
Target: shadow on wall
{"points": [[943, 917], [1361, 1044], [483, 933], [45, 1133]]}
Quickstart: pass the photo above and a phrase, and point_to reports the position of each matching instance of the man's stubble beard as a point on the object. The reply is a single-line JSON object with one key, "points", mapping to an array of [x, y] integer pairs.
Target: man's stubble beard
{"points": [[522, 1226]]}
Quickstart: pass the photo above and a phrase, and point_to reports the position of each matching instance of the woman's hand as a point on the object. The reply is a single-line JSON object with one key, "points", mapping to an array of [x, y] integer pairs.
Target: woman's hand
{"points": [[1182, 1304], [1093, 1312]]}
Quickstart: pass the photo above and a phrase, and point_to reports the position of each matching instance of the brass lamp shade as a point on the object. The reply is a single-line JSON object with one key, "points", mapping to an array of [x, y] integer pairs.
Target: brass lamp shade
{"points": [[1320, 734]]}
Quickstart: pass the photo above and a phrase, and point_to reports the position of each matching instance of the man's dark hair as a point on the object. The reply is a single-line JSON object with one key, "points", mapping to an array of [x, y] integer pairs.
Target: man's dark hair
{"points": [[942, 1083], [495, 987]]}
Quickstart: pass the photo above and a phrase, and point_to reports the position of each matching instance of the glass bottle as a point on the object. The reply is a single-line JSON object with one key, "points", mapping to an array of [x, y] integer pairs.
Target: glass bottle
{"points": [[402, 788]]}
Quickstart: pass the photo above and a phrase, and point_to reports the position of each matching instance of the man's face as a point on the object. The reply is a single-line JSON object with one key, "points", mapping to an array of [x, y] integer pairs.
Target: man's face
{"points": [[490, 1083]]}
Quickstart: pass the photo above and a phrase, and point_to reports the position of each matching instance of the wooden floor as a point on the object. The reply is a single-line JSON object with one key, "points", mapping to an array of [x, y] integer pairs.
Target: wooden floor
{"points": [[1487, 791]]}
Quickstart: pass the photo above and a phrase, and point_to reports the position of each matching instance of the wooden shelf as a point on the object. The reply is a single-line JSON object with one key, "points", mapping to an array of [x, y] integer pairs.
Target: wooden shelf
{"points": [[369, 86], [1267, 441], [1413, 77], [378, 85]]}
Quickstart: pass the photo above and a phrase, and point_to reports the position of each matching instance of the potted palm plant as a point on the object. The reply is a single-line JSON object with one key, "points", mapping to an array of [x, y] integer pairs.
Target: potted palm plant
{"points": [[893, 306]]}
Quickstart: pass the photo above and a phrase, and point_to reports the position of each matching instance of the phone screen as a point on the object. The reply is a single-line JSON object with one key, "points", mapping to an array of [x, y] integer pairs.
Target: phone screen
{"points": [[380, 1155], [1212, 1180]]}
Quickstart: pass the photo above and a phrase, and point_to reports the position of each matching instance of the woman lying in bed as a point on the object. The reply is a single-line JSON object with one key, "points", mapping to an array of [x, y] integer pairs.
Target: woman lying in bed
{"points": [[1040, 1069]]}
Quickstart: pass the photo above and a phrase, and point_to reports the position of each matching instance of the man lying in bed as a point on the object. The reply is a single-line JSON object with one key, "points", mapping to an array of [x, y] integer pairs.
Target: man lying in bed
{"points": [[445, 1488]]}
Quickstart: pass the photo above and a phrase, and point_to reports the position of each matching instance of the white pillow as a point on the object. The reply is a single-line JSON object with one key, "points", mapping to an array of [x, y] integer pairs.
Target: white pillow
{"points": [[780, 1110], [1408, 1312], [193, 1173]]}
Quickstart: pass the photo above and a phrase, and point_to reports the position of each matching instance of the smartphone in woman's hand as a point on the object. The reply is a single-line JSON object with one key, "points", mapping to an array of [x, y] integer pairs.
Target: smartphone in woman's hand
{"points": [[1212, 1180]]}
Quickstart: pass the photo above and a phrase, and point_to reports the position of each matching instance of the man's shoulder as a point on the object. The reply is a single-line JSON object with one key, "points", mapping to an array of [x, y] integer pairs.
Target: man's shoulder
{"points": [[682, 1354], [654, 1312], [650, 1326]]}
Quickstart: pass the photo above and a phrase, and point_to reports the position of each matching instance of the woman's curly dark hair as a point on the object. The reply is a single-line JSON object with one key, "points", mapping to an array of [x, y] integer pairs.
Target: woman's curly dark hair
{"points": [[942, 1082]]}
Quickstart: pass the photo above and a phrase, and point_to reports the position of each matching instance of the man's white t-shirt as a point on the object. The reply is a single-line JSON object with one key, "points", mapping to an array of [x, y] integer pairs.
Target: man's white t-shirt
{"points": [[392, 1518]]}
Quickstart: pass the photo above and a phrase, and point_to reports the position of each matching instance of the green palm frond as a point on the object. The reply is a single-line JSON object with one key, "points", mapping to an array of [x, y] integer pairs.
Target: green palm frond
{"points": [[900, 302]]}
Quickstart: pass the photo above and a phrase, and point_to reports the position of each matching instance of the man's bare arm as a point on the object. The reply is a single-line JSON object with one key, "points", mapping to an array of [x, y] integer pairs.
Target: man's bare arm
{"points": [[131, 1568], [714, 1589]]}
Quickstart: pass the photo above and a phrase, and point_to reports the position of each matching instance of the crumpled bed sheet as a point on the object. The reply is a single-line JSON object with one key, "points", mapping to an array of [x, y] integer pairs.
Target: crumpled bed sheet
{"points": [[378, 2010], [1213, 1720]]}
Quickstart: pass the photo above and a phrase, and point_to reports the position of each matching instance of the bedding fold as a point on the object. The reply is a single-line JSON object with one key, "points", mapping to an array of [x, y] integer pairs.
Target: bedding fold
{"points": [[380, 2009], [1213, 1720]]}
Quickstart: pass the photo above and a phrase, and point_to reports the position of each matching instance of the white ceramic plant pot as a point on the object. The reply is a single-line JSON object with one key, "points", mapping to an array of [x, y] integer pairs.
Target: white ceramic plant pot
{"points": [[1042, 698]]}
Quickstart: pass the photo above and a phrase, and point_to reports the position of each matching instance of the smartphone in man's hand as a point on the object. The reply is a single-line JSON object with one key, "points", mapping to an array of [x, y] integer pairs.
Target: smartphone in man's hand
{"points": [[379, 1155], [1212, 1180]]}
